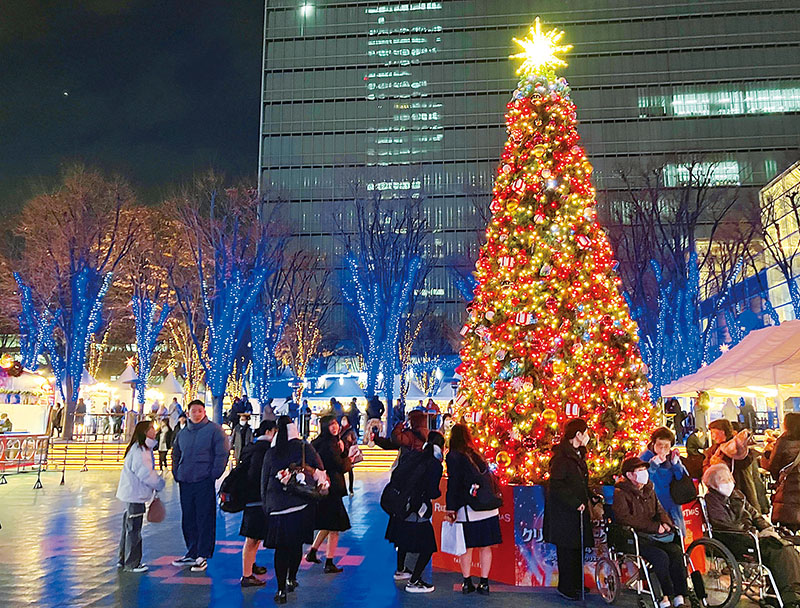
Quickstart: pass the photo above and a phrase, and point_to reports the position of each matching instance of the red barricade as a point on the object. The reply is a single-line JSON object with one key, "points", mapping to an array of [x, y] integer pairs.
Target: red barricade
{"points": [[21, 450]]}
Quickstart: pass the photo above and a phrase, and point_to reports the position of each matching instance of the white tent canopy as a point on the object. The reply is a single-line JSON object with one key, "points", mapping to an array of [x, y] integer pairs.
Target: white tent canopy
{"points": [[127, 376], [87, 379], [766, 361], [170, 386]]}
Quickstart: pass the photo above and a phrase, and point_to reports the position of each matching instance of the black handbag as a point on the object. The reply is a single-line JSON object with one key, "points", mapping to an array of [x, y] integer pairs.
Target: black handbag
{"points": [[683, 490], [302, 482]]}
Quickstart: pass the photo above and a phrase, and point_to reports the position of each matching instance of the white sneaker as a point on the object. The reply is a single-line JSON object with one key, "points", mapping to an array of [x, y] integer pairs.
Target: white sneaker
{"points": [[402, 575], [139, 568], [419, 586], [200, 565], [184, 561]]}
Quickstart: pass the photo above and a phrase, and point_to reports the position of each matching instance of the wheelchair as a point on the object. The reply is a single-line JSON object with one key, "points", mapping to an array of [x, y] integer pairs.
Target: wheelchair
{"points": [[621, 566], [724, 582]]}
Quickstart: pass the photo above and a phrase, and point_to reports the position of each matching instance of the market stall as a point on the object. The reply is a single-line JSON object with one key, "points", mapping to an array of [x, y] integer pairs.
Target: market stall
{"points": [[763, 367], [26, 398]]}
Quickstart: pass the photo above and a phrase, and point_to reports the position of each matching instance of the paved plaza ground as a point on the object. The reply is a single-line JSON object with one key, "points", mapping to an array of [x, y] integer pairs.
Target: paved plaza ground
{"points": [[58, 547]]}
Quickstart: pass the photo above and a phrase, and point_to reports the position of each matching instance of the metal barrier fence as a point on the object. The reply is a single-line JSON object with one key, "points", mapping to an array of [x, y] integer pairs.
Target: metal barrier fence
{"points": [[20, 452]]}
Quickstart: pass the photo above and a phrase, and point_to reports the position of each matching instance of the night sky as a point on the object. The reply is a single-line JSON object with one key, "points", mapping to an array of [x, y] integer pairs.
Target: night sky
{"points": [[154, 90]]}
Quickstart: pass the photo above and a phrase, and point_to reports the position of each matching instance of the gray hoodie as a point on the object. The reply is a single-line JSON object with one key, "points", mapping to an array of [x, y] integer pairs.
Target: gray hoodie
{"points": [[200, 452]]}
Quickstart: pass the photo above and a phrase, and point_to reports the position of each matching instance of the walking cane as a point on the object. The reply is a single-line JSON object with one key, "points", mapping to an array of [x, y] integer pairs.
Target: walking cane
{"points": [[583, 560]]}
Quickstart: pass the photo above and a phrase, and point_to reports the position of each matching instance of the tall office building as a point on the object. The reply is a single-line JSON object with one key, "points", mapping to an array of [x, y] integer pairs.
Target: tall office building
{"points": [[409, 98]]}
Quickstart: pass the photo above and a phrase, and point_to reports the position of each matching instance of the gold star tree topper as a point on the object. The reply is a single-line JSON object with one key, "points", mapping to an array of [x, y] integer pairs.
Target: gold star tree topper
{"points": [[540, 51]]}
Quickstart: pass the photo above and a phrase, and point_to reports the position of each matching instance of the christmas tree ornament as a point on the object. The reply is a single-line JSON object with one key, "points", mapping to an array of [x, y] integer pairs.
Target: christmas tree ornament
{"points": [[549, 416], [547, 272], [502, 459]]}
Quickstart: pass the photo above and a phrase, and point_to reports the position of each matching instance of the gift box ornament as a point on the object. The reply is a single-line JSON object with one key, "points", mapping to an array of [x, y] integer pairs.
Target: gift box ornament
{"points": [[524, 318], [506, 261]]}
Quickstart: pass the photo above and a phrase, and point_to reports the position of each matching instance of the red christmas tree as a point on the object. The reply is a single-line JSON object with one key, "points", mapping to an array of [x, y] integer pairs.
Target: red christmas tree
{"points": [[549, 335]]}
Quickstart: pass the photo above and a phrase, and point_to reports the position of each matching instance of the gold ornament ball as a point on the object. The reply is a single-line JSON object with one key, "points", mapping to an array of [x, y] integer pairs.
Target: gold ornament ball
{"points": [[559, 366], [538, 150], [502, 459], [549, 416]]}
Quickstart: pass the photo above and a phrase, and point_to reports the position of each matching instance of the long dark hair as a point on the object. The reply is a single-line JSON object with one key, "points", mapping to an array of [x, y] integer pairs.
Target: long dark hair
{"points": [[139, 434], [282, 438], [461, 441]]}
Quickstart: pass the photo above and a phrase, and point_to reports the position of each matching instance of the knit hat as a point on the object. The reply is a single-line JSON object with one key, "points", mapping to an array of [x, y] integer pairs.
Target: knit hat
{"points": [[633, 463]]}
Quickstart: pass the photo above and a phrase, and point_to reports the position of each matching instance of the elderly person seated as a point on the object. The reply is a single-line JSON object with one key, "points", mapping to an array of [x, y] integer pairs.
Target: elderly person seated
{"points": [[728, 510], [636, 505]]}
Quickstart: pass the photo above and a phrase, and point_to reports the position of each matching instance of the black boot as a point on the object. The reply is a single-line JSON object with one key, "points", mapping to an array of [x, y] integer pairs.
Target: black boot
{"points": [[467, 586], [312, 556], [280, 597], [483, 587], [291, 585], [330, 567]]}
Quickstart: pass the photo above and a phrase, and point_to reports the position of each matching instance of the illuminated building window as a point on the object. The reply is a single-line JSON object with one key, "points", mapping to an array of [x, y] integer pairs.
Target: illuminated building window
{"points": [[723, 173], [771, 168], [749, 99], [404, 8]]}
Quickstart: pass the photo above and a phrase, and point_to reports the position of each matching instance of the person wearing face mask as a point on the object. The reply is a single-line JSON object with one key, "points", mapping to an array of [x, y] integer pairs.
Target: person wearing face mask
{"points": [[665, 466], [414, 535], [332, 518], [728, 510], [733, 450], [138, 483], [567, 503], [636, 505], [254, 520]]}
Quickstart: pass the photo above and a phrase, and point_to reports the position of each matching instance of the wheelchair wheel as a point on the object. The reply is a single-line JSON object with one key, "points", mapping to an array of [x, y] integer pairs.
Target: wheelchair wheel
{"points": [[715, 574], [607, 579]]}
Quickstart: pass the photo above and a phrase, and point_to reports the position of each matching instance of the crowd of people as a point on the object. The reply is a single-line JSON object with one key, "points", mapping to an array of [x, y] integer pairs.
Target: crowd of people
{"points": [[293, 493]]}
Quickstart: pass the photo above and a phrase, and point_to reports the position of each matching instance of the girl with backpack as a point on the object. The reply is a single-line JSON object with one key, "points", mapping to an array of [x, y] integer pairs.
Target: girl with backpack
{"points": [[465, 470], [417, 477], [291, 515]]}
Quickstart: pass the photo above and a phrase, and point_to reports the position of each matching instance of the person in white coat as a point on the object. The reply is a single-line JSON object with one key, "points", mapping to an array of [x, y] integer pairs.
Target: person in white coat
{"points": [[137, 485]]}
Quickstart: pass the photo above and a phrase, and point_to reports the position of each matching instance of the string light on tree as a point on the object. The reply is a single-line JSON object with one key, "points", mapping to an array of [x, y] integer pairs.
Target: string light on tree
{"points": [[549, 336]]}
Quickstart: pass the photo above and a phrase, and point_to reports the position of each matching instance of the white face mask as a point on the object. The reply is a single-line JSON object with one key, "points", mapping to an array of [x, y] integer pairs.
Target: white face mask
{"points": [[150, 443], [726, 489], [641, 476]]}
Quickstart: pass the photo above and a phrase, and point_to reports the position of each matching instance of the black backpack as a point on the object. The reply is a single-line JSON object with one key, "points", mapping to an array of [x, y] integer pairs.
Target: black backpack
{"points": [[398, 497], [232, 492], [487, 496]]}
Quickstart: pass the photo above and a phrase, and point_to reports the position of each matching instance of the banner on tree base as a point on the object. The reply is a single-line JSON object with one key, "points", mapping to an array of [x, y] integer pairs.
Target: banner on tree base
{"points": [[523, 559]]}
